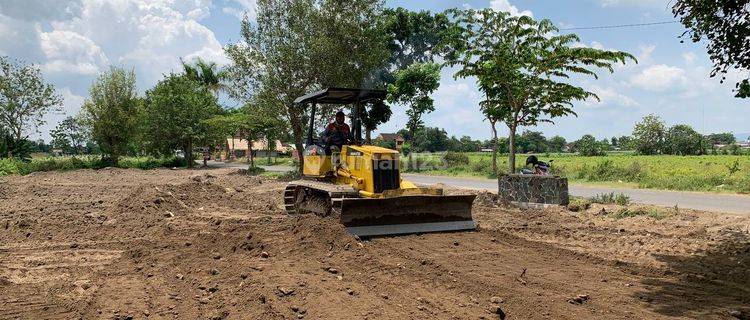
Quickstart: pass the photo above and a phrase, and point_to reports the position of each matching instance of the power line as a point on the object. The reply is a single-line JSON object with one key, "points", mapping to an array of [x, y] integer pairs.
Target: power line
{"points": [[622, 25]]}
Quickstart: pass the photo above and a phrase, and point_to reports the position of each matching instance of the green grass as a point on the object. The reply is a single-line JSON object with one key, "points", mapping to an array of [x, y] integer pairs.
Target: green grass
{"points": [[655, 213], [611, 198], [714, 173], [12, 166]]}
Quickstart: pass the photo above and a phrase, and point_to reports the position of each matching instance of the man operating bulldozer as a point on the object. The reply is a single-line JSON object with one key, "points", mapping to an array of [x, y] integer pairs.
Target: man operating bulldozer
{"points": [[337, 133]]}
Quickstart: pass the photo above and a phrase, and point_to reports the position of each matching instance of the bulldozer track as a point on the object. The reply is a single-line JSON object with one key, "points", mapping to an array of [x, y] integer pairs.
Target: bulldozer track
{"points": [[335, 194]]}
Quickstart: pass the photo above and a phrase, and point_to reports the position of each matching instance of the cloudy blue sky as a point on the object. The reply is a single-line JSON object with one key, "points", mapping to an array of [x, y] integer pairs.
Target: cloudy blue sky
{"points": [[74, 40]]}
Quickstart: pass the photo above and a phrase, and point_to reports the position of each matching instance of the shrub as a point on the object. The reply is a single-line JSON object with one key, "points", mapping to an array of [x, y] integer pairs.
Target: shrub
{"points": [[578, 204], [8, 166], [453, 159], [611, 198], [634, 212]]}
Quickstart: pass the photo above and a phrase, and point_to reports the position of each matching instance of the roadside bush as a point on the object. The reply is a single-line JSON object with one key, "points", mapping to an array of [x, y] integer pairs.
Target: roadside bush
{"points": [[8, 166], [635, 212], [578, 204], [453, 159], [611, 198]]}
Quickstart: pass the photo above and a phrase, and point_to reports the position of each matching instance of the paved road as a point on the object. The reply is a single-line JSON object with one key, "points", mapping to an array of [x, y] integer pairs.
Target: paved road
{"points": [[692, 200]]}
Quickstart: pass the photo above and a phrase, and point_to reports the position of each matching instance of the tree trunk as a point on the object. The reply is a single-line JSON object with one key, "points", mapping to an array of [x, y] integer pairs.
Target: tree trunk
{"points": [[189, 154], [411, 150], [297, 133], [368, 139], [512, 149], [250, 154], [494, 148]]}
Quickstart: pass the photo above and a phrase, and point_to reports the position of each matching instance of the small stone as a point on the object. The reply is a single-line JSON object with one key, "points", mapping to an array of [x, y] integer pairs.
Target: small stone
{"points": [[229, 190], [455, 243], [498, 311], [350, 292], [214, 271], [217, 256], [497, 300], [204, 300], [493, 240], [420, 307], [580, 299], [73, 245], [423, 262], [384, 296], [285, 291], [158, 200], [179, 276], [169, 214], [264, 255], [736, 314], [238, 189], [332, 270]]}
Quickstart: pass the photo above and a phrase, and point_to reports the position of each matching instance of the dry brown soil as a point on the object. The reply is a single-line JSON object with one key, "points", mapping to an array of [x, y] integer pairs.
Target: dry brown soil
{"points": [[182, 244]]}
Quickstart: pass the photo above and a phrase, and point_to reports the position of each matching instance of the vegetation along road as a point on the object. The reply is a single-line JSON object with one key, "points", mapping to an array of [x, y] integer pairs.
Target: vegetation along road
{"points": [[682, 199]]}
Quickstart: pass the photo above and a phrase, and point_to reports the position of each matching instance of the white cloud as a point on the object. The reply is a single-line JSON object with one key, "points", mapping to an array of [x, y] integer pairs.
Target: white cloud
{"points": [[504, 5], [609, 97], [149, 36], [248, 7], [660, 77], [70, 52]]}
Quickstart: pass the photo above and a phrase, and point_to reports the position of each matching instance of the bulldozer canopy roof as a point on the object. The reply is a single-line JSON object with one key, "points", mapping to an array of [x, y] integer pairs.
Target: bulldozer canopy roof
{"points": [[341, 96]]}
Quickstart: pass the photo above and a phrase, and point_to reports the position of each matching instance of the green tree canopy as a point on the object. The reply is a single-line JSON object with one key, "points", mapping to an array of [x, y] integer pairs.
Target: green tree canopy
{"points": [[297, 46], [412, 87], [556, 144], [726, 27], [207, 73], [111, 112], [71, 135], [174, 116], [648, 135], [24, 100], [589, 147], [681, 139], [523, 66]]}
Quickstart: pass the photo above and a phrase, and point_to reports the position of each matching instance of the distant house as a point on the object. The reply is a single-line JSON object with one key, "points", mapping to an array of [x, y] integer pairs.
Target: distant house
{"points": [[388, 137], [238, 148], [744, 144]]}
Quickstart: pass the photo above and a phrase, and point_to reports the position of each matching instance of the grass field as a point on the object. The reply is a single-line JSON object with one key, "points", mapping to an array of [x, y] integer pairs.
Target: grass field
{"points": [[715, 173], [12, 166]]}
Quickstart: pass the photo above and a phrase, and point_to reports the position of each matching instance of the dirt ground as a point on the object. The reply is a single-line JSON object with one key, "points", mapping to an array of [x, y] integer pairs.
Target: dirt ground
{"points": [[182, 244]]}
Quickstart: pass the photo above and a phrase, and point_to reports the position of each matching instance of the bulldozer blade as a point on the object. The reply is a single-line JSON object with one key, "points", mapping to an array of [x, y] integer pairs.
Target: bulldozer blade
{"points": [[407, 214]]}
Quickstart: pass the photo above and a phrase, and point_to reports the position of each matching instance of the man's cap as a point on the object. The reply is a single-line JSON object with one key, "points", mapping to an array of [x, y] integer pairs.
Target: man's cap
{"points": [[340, 113]]}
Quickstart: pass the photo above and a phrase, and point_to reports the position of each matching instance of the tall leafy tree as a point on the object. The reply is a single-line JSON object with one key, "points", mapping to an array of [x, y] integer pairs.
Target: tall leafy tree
{"points": [[296, 46], [111, 112], [725, 24], [24, 100], [523, 66], [206, 73], [71, 135], [412, 86], [176, 109], [683, 140], [413, 38], [556, 144], [648, 135]]}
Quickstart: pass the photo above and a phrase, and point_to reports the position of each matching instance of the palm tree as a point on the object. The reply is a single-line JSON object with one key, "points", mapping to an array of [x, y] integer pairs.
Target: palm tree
{"points": [[207, 73]]}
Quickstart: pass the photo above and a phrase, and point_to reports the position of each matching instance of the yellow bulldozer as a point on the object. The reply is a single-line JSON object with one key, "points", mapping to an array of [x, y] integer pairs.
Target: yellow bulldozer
{"points": [[361, 184]]}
